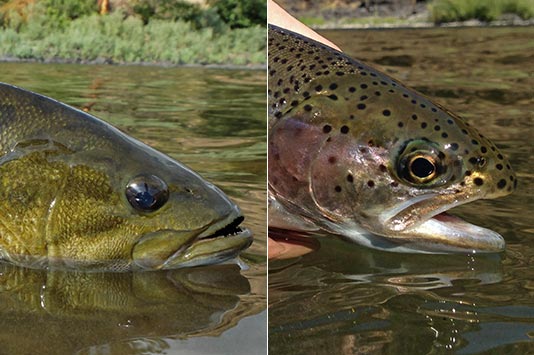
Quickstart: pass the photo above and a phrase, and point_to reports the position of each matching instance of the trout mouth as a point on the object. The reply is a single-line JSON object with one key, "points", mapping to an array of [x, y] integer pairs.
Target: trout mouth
{"points": [[423, 225]]}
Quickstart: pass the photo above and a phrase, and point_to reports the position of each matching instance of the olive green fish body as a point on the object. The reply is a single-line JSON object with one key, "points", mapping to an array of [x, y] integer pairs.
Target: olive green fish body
{"points": [[355, 152], [77, 192]]}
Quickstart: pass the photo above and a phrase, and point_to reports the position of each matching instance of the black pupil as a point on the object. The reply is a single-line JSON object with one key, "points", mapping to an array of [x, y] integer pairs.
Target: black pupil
{"points": [[422, 167], [145, 198], [147, 193]]}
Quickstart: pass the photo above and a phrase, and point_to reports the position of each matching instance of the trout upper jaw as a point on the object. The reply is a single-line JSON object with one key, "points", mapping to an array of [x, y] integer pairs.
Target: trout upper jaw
{"points": [[421, 225]]}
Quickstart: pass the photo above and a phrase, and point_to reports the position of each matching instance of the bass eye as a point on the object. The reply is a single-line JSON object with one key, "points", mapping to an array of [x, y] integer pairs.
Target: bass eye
{"points": [[422, 167], [147, 193]]}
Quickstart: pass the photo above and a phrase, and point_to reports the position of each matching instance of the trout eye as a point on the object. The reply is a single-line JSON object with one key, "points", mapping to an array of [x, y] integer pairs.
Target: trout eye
{"points": [[423, 168], [421, 163], [419, 168], [147, 193]]}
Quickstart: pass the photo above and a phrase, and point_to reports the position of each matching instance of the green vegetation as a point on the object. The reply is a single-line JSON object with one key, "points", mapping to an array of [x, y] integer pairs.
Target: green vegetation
{"points": [[164, 31], [484, 10], [312, 21], [241, 13], [359, 22], [374, 21]]}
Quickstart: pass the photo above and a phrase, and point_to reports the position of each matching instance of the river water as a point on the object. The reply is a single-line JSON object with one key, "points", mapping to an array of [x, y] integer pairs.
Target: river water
{"points": [[343, 298], [346, 299], [212, 120]]}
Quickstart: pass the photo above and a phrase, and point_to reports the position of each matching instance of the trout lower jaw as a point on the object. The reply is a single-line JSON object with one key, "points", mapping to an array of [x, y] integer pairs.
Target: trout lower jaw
{"points": [[422, 225], [444, 233]]}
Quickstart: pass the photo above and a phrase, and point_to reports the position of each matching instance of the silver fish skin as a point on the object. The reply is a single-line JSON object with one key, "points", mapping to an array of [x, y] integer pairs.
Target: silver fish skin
{"points": [[354, 152]]}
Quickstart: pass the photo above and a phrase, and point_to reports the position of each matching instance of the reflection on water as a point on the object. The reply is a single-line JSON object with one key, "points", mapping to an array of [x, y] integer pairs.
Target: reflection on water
{"points": [[351, 300], [90, 311], [209, 119]]}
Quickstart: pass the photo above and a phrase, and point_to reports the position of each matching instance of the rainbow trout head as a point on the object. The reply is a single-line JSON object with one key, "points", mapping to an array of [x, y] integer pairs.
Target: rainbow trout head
{"points": [[355, 152], [78, 193]]}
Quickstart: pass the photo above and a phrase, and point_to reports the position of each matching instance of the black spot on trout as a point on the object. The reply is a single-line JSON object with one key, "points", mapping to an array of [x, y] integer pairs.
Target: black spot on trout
{"points": [[379, 167], [78, 193]]}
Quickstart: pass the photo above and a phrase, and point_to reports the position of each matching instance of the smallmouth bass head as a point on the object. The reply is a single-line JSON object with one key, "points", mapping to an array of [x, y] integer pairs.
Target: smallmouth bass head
{"points": [[361, 155], [147, 217], [78, 193], [197, 224]]}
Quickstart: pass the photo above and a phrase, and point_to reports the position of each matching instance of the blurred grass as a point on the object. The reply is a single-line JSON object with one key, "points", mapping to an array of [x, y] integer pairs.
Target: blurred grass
{"points": [[442, 11], [312, 20], [38, 31]]}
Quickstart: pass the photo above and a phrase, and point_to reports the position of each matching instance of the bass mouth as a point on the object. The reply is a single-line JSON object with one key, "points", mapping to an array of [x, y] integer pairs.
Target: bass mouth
{"points": [[230, 230]]}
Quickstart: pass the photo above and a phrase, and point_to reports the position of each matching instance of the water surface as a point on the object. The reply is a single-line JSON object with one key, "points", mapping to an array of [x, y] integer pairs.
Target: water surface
{"points": [[212, 120], [346, 299]]}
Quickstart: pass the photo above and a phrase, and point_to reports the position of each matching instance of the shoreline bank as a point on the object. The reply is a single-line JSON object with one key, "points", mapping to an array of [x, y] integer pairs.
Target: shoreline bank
{"points": [[415, 25], [143, 64]]}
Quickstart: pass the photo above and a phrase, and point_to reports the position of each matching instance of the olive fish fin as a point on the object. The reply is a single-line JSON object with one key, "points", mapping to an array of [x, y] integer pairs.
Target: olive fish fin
{"points": [[46, 147]]}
